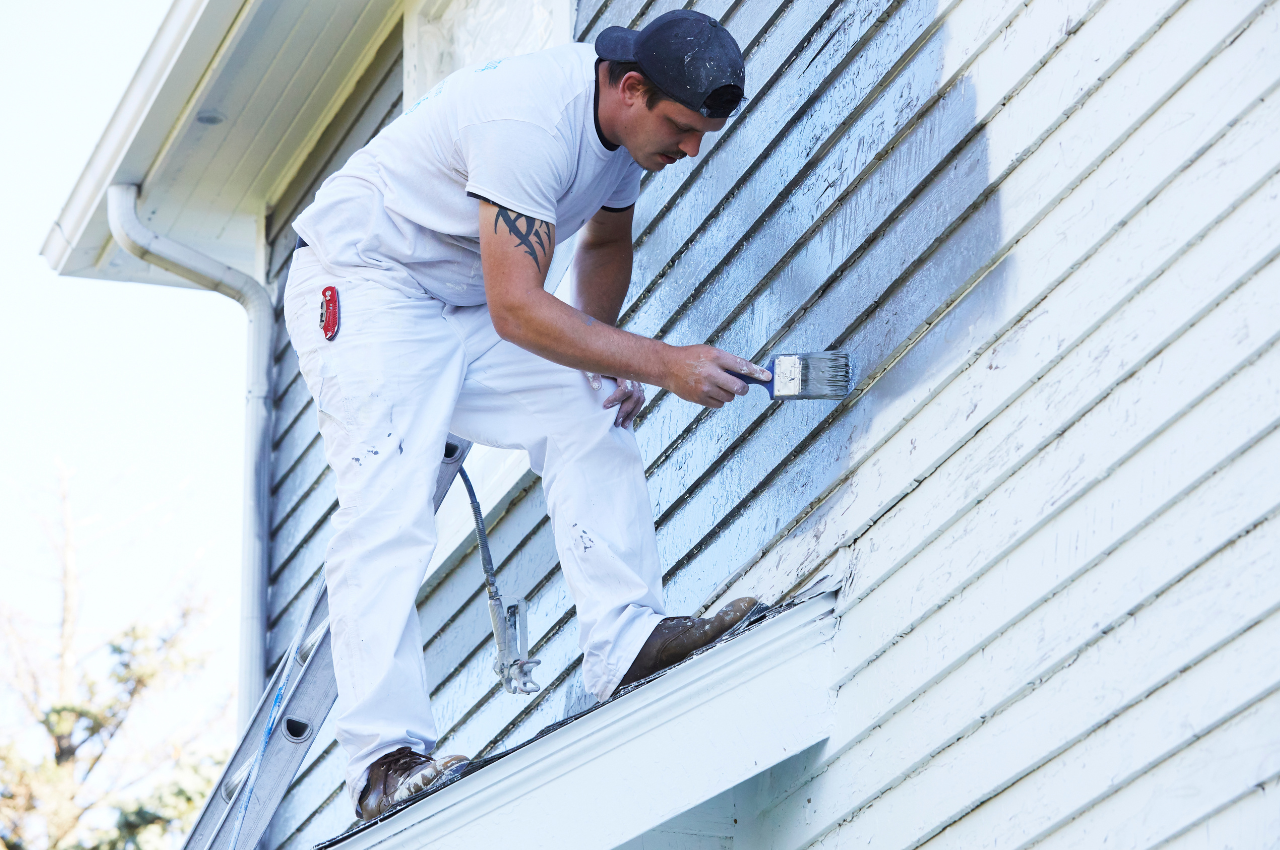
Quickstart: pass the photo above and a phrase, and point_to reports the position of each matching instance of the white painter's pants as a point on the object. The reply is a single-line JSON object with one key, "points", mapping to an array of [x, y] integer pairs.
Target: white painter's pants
{"points": [[401, 373]]}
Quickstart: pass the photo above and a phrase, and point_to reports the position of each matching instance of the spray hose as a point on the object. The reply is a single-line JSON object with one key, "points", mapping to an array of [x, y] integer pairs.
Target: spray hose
{"points": [[486, 560], [508, 615]]}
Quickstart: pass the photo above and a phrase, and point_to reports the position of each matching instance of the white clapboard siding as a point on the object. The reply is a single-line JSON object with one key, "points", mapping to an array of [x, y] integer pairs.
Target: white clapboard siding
{"points": [[909, 805], [1156, 236], [1226, 763], [1123, 670], [988, 681], [1251, 821], [1170, 719], [1143, 487], [1139, 329], [1264, 247], [1134, 411]]}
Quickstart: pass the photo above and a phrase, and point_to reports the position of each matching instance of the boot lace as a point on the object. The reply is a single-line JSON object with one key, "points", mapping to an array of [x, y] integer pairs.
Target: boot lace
{"points": [[403, 761]]}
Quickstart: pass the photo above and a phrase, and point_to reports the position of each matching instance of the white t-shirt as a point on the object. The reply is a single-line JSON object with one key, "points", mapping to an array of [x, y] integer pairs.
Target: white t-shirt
{"points": [[520, 132]]}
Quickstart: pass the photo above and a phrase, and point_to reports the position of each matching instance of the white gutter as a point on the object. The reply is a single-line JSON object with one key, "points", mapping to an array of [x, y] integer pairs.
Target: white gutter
{"points": [[147, 245]]}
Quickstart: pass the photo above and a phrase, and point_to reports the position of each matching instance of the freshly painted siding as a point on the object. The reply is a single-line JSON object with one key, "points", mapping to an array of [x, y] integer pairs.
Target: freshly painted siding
{"points": [[1045, 233]]}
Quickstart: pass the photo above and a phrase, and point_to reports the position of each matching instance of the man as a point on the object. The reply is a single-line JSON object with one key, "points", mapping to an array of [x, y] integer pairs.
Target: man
{"points": [[429, 251]]}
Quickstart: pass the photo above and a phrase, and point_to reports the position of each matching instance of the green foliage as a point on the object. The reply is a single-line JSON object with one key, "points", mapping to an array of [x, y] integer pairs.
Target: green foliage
{"points": [[64, 793], [162, 817]]}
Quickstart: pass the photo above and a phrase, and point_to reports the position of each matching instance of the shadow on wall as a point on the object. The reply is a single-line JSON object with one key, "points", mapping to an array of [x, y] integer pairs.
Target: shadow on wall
{"points": [[925, 313], [886, 222]]}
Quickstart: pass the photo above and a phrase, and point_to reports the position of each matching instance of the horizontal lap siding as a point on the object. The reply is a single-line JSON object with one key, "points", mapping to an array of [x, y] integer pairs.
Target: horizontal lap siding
{"points": [[1061, 605], [1251, 821], [1044, 232]]}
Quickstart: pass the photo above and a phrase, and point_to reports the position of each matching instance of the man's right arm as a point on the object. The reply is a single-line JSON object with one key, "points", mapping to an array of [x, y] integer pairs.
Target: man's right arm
{"points": [[515, 252]]}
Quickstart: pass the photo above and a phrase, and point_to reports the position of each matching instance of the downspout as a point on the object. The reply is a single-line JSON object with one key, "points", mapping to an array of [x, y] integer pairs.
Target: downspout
{"points": [[147, 245]]}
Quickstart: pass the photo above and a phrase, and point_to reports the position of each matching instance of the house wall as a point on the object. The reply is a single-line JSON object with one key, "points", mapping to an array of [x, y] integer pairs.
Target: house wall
{"points": [[441, 36], [1044, 231], [1053, 507]]}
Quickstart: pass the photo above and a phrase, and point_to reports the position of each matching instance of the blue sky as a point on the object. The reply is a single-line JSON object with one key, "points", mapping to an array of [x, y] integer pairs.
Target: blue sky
{"points": [[136, 390]]}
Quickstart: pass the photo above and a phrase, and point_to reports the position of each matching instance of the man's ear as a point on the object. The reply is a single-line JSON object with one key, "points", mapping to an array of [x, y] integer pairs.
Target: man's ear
{"points": [[632, 89]]}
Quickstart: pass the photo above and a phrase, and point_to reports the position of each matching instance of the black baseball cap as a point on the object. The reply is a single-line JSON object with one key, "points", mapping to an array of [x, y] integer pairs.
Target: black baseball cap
{"points": [[687, 55]]}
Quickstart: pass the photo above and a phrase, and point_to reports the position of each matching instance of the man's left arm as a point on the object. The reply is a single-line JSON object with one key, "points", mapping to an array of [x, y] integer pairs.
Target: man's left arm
{"points": [[602, 273]]}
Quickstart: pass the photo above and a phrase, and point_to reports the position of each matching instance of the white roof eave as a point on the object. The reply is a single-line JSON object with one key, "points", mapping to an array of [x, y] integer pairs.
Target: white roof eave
{"points": [[188, 40], [276, 73], [735, 707]]}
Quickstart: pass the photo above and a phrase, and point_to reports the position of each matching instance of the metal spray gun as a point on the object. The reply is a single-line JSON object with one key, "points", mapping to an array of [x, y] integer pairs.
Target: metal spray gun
{"points": [[508, 614]]}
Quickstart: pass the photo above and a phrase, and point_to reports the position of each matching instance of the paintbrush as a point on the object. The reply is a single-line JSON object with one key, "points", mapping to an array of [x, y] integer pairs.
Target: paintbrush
{"points": [[823, 374]]}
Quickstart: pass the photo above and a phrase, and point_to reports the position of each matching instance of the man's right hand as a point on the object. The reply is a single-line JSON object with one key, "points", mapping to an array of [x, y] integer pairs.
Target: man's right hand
{"points": [[700, 373]]}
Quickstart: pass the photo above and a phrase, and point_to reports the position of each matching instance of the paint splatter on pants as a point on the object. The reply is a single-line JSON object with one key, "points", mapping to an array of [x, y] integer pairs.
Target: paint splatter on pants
{"points": [[401, 374]]}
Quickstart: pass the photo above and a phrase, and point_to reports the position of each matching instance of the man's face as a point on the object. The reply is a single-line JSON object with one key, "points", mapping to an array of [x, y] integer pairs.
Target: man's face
{"points": [[669, 132]]}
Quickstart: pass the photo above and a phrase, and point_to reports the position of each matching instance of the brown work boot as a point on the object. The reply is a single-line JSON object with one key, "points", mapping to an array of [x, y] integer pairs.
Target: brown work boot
{"points": [[401, 774], [675, 639]]}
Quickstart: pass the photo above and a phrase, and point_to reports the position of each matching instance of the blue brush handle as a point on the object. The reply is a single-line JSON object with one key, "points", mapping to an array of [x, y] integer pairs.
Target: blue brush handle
{"points": [[768, 385]]}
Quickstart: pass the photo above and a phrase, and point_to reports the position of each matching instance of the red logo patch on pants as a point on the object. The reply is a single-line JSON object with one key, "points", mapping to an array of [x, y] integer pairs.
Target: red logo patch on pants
{"points": [[329, 312]]}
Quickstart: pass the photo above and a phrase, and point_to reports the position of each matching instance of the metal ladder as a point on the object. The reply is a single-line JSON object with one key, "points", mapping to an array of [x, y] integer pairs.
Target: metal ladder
{"points": [[303, 690]]}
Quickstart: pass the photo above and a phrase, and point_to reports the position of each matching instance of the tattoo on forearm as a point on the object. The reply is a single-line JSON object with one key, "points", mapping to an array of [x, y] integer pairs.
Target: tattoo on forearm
{"points": [[586, 319], [533, 235]]}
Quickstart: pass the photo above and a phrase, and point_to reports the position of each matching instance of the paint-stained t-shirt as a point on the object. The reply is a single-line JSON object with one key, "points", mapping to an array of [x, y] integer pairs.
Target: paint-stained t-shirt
{"points": [[520, 132]]}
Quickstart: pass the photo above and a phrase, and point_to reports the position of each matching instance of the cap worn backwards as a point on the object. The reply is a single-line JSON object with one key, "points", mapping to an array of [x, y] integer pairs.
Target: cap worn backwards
{"points": [[688, 56]]}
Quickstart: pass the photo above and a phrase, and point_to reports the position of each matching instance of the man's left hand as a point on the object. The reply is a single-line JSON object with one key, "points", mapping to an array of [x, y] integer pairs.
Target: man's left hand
{"points": [[628, 398]]}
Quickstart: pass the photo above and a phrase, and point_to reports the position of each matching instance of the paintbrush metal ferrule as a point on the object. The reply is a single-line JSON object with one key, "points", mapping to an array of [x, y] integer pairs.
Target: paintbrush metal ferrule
{"points": [[820, 375], [786, 369]]}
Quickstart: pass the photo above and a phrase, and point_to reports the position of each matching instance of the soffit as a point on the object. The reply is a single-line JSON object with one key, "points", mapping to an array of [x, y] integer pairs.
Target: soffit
{"points": [[274, 72]]}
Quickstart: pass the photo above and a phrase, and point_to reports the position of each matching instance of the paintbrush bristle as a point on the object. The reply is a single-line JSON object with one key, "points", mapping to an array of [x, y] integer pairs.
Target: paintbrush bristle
{"points": [[822, 374]]}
